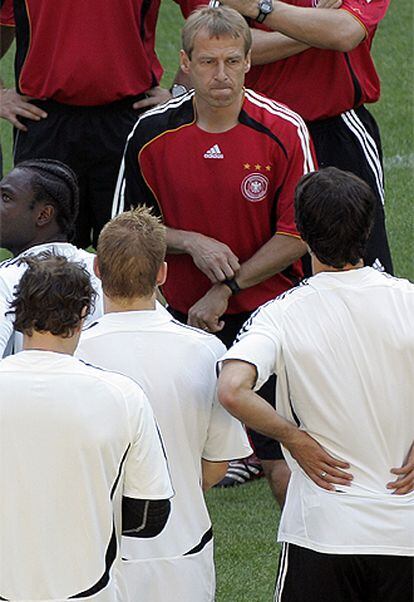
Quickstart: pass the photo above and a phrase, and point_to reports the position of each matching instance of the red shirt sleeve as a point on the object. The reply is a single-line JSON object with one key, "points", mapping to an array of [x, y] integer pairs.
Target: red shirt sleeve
{"points": [[368, 12], [187, 6], [7, 13]]}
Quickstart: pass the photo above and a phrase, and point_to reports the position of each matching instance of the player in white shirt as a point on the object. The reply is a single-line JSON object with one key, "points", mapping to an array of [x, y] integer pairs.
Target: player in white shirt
{"points": [[77, 443], [342, 346], [175, 365], [39, 202]]}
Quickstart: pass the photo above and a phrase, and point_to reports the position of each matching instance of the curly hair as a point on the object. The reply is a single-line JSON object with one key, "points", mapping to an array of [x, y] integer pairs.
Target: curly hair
{"points": [[54, 295], [334, 212], [56, 183]]}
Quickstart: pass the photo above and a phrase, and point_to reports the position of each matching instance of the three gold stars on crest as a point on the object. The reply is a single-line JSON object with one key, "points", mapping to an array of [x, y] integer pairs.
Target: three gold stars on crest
{"points": [[257, 167]]}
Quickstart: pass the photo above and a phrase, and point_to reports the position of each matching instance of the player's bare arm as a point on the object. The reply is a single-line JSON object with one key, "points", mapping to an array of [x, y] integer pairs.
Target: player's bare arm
{"points": [[324, 28], [153, 96], [215, 259], [404, 482], [212, 473], [235, 392], [273, 257], [271, 46]]}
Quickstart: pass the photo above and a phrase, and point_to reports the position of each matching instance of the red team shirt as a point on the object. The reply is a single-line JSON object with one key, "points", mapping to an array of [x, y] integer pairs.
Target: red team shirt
{"points": [[84, 52], [236, 186], [322, 83]]}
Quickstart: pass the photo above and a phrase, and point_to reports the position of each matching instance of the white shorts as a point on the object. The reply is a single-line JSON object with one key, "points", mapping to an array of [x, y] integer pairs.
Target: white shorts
{"points": [[184, 578]]}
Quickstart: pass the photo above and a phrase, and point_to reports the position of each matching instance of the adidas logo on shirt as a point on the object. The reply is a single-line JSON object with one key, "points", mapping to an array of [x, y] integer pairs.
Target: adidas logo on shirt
{"points": [[214, 153], [378, 265]]}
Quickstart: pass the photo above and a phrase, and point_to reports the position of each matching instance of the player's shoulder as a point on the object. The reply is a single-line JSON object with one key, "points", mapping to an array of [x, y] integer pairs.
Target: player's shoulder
{"points": [[271, 113], [193, 337], [122, 385], [163, 118]]}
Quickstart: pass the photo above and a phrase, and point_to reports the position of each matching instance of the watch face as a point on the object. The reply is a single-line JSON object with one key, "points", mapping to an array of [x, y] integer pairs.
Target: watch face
{"points": [[265, 7], [178, 90]]}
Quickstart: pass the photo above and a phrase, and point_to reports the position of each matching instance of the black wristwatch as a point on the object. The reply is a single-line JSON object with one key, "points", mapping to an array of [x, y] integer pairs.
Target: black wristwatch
{"points": [[265, 8], [233, 286]]}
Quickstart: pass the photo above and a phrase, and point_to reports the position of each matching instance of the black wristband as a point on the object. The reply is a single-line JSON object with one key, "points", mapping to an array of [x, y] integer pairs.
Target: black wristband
{"points": [[233, 286]]}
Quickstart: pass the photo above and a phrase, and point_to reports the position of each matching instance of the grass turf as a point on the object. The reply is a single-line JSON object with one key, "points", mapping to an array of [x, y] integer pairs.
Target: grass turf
{"points": [[245, 518]]}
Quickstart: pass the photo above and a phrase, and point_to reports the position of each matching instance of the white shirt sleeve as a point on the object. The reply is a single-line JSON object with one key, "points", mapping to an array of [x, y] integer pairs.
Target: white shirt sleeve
{"points": [[259, 343], [226, 436], [146, 471], [6, 322]]}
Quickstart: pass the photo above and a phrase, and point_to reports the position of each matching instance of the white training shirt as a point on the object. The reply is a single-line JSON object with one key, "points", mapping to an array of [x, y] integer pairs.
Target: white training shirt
{"points": [[10, 274], [342, 345], [73, 440], [175, 365]]}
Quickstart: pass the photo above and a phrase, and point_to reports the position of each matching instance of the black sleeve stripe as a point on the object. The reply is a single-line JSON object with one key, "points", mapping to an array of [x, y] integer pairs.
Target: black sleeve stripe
{"points": [[245, 119]]}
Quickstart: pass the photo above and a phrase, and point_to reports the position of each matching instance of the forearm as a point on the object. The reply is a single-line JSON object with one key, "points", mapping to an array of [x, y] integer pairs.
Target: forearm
{"points": [[253, 411], [179, 241], [271, 46], [321, 28], [273, 257], [212, 473]]}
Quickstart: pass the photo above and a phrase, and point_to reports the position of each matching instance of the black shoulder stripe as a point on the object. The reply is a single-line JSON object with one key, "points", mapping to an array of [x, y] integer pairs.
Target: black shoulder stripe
{"points": [[169, 116], [245, 119]]}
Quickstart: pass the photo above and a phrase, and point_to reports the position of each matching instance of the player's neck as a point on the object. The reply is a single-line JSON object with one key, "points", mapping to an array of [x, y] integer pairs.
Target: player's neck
{"points": [[118, 304], [318, 266], [217, 119], [46, 341], [44, 240]]}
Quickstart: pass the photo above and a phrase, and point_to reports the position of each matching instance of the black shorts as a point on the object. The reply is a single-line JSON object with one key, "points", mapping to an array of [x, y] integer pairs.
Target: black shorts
{"points": [[352, 142], [308, 576], [91, 140], [264, 447]]}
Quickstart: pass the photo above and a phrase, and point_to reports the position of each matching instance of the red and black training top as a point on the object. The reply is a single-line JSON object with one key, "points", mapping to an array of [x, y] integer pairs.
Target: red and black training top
{"points": [[84, 52], [319, 83], [236, 187]]}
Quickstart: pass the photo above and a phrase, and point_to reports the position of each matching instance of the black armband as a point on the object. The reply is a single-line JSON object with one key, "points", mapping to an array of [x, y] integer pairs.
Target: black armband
{"points": [[144, 518]]}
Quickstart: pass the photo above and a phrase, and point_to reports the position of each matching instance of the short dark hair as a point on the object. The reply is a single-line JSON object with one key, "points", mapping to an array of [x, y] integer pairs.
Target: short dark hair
{"points": [[334, 212], [55, 183], [53, 295], [130, 251]]}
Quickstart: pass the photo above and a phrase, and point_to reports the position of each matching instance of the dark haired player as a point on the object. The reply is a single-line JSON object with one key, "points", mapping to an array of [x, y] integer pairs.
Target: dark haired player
{"points": [[80, 455], [39, 202], [342, 346], [230, 162]]}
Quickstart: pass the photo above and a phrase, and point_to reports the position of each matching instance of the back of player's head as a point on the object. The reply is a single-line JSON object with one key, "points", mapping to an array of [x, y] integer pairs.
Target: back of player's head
{"points": [[217, 22], [55, 183], [334, 212], [131, 249], [53, 295]]}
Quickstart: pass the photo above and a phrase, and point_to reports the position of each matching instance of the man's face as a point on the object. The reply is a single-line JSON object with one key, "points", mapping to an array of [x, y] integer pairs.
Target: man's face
{"points": [[217, 68], [17, 214]]}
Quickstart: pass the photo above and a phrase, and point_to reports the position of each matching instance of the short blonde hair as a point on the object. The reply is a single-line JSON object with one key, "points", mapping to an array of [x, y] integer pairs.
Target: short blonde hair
{"points": [[218, 22], [131, 249]]}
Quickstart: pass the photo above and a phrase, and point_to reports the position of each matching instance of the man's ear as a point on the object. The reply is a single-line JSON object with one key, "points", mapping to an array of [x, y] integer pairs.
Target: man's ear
{"points": [[248, 61], [184, 62], [96, 269], [162, 274], [46, 215]]}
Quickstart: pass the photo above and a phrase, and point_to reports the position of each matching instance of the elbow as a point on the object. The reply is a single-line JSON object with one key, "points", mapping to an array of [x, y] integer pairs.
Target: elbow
{"points": [[228, 396]]}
